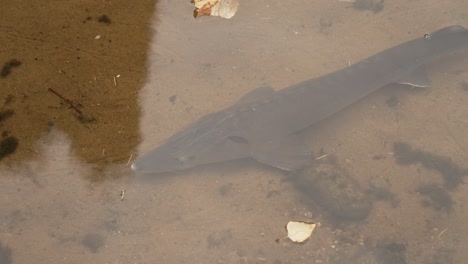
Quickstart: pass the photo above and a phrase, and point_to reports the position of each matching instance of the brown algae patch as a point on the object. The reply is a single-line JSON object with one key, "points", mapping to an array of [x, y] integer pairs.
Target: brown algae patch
{"points": [[94, 61]]}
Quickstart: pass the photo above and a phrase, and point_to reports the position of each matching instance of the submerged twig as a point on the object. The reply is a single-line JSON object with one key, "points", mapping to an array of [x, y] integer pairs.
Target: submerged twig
{"points": [[122, 194], [68, 101], [81, 117]]}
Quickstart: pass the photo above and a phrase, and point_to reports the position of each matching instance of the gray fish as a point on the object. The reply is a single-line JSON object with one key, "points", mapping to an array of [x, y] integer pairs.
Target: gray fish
{"points": [[264, 124]]}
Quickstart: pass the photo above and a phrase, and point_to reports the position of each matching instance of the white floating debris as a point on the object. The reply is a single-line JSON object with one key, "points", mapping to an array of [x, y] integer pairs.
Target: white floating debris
{"points": [[221, 8], [299, 232]]}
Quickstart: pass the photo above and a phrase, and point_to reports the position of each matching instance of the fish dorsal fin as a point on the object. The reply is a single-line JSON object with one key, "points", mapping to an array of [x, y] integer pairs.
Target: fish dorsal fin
{"points": [[257, 94], [289, 153], [418, 78]]}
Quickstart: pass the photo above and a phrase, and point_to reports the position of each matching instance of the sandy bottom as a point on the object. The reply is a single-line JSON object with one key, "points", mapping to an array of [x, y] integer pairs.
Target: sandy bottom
{"points": [[392, 188]]}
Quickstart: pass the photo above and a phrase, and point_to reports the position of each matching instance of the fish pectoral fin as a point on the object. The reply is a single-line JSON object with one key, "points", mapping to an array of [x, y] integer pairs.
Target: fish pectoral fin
{"points": [[290, 153], [417, 78], [256, 95]]}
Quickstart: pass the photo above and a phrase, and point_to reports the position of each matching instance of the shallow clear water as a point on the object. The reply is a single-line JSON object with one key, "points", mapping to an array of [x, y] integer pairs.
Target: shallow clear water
{"points": [[67, 193]]}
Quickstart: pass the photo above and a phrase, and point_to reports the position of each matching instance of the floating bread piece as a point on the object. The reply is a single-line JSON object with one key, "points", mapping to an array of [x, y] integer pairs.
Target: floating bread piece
{"points": [[221, 8], [300, 231]]}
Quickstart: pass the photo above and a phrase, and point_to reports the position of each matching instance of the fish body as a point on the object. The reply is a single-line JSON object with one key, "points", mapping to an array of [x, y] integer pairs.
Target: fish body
{"points": [[265, 124]]}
